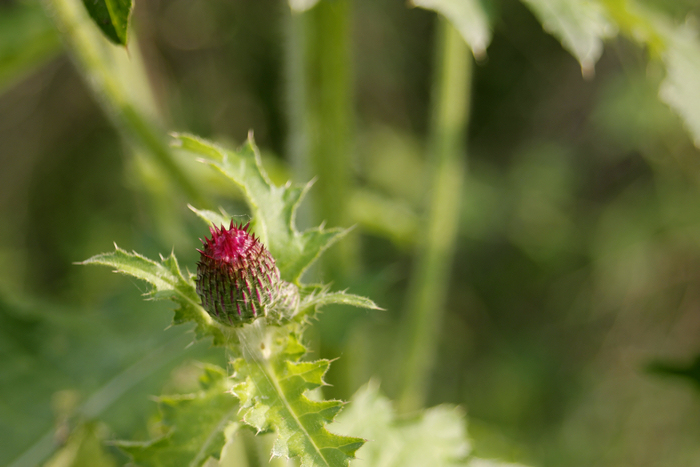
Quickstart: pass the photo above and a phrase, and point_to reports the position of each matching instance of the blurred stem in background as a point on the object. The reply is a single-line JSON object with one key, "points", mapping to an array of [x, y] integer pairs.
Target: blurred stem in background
{"points": [[319, 65], [27, 41], [431, 274], [119, 82]]}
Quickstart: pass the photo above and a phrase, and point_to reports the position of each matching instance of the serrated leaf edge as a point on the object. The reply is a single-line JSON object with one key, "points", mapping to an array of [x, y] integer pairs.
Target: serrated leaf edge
{"points": [[216, 331], [289, 354], [267, 370]]}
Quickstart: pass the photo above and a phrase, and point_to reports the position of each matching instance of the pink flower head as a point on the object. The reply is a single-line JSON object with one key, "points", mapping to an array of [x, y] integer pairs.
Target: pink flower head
{"points": [[237, 279]]}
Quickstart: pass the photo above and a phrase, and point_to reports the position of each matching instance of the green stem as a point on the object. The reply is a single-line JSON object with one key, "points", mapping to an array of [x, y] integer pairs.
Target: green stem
{"points": [[297, 144], [104, 67], [322, 119], [431, 274]]}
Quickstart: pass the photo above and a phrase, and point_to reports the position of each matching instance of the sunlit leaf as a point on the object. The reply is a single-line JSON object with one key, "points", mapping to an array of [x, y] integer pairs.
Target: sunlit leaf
{"points": [[302, 5], [680, 89], [112, 17], [679, 49], [580, 25], [468, 17], [435, 437]]}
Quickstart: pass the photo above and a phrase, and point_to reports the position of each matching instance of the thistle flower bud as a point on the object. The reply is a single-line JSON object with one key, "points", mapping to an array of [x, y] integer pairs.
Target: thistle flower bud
{"points": [[237, 278]]}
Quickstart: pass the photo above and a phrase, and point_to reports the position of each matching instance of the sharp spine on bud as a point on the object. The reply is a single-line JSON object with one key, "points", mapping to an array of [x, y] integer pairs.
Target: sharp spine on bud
{"points": [[237, 279]]}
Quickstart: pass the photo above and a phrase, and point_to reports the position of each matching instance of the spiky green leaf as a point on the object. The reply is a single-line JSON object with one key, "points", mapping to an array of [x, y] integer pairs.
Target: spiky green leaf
{"points": [[436, 437], [302, 5], [168, 283], [678, 46], [112, 17], [580, 25], [680, 89], [318, 297], [271, 383], [211, 217], [194, 425], [468, 17], [272, 207]]}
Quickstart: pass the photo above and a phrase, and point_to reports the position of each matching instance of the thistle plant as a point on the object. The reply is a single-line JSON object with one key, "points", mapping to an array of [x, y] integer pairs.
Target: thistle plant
{"points": [[247, 294], [248, 297]]}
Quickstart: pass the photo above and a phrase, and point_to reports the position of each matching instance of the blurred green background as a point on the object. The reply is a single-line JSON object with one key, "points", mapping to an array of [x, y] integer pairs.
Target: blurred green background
{"points": [[577, 263]]}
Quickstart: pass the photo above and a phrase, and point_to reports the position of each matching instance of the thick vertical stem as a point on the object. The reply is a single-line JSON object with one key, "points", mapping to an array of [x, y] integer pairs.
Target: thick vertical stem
{"points": [[431, 274], [297, 144], [103, 67], [322, 119]]}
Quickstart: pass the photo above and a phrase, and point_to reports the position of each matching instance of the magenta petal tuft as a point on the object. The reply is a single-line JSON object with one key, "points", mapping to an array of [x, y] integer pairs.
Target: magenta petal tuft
{"points": [[229, 254]]}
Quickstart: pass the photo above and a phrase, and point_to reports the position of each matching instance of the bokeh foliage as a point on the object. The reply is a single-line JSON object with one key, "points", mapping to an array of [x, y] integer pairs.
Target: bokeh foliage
{"points": [[577, 261]]}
